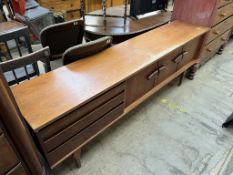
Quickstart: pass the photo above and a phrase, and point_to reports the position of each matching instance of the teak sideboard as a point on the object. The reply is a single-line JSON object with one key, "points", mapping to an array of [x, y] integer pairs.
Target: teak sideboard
{"points": [[69, 106]]}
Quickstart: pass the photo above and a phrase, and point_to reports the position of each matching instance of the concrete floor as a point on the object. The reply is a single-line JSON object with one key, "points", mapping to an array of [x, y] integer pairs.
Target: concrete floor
{"points": [[176, 132]]}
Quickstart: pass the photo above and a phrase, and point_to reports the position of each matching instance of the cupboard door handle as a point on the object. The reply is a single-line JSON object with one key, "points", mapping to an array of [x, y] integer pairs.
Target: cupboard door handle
{"points": [[156, 72], [223, 39], [223, 14], [216, 32], [178, 58], [209, 50], [162, 68]]}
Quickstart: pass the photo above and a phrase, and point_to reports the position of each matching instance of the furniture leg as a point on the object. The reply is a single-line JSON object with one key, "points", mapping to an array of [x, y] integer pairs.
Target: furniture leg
{"points": [[192, 71], [220, 51], [77, 158], [228, 122], [181, 78]]}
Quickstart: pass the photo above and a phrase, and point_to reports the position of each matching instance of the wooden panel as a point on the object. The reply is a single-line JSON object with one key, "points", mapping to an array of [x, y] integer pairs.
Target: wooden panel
{"points": [[214, 46], [8, 158], [220, 29], [140, 84], [117, 2], [71, 118], [198, 12], [0, 130], [224, 2], [74, 14], [90, 118], [190, 51], [18, 170], [167, 65], [61, 5], [70, 146], [93, 5], [223, 13]]}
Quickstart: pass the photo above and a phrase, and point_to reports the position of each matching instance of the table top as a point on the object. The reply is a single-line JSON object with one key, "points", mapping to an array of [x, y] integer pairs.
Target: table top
{"points": [[10, 26], [115, 26], [47, 98]]}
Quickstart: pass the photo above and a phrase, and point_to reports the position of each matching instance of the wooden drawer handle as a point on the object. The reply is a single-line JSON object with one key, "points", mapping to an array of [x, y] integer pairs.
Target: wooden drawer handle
{"points": [[216, 32], [179, 58], [209, 50], [223, 39], [223, 14], [156, 72]]}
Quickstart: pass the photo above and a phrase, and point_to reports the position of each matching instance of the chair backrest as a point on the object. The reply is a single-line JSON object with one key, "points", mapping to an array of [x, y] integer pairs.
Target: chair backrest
{"points": [[23, 68], [84, 50], [60, 37]]}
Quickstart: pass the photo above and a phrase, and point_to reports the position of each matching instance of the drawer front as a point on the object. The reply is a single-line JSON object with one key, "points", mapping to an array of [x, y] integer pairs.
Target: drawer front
{"points": [[214, 46], [59, 125], [74, 14], [18, 170], [167, 65], [224, 2], [8, 158], [190, 51], [83, 123], [70, 146], [140, 83], [220, 29], [61, 5], [223, 13]]}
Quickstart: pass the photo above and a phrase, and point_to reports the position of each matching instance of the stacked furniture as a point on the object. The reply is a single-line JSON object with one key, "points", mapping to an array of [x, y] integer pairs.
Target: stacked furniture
{"points": [[72, 8], [220, 21]]}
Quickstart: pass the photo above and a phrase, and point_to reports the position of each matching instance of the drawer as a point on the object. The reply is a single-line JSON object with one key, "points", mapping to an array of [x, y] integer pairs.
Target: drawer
{"points": [[224, 2], [61, 5], [223, 13], [8, 158], [86, 134], [214, 46], [190, 52], [167, 66], [18, 170], [220, 29], [74, 14], [83, 123], [140, 83], [61, 124]]}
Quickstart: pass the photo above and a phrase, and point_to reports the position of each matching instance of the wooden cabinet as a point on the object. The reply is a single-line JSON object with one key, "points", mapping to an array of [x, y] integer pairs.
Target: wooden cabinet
{"points": [[66, 135], [8, 158], [18, 170], [216, 14]]}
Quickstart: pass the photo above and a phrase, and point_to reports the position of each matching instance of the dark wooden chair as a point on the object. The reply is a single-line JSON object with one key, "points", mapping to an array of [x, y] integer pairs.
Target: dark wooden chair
{"points": [[84, 50], [60, 37], [17, 70]]}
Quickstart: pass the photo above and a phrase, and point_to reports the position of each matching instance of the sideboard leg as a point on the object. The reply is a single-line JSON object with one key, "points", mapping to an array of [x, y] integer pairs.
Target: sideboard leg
{"points": [[192, 71], [77, 158], [220, 51], [181, 78]]}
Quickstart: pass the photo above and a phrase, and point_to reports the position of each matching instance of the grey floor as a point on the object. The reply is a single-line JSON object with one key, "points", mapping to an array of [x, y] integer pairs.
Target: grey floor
{"points": [[176, 132]]}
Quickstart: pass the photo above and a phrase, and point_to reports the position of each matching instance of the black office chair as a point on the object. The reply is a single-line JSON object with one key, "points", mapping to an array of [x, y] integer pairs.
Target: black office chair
{"points": [[60, 37], [84, 50], [17, 70]]}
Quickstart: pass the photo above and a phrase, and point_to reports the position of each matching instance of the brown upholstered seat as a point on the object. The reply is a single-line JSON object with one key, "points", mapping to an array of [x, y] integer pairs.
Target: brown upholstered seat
{"points": [[17, 70], [84, 50], [60, 37]]}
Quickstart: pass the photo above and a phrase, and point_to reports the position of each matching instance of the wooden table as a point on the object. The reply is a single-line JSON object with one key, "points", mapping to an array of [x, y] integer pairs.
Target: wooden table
{"points": [[117, 27], [69, 106]]}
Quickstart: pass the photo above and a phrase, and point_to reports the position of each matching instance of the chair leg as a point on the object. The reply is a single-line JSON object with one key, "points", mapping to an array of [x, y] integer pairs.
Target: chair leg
{"points": [[77, 158], [181, 79]]}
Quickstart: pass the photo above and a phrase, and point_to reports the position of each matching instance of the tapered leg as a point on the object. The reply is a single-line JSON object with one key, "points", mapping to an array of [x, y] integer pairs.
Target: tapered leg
{"points": [[77, 158], [181, 79], [192, 71]]}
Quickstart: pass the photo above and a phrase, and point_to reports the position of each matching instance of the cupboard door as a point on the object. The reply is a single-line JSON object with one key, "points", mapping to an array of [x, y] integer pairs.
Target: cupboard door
{"points": [[140, 83], [8, 158], [167, 65]]}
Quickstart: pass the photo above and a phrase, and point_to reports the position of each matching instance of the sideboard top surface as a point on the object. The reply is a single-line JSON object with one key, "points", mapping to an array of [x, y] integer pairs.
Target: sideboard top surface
{"points": [[46, 98]]}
